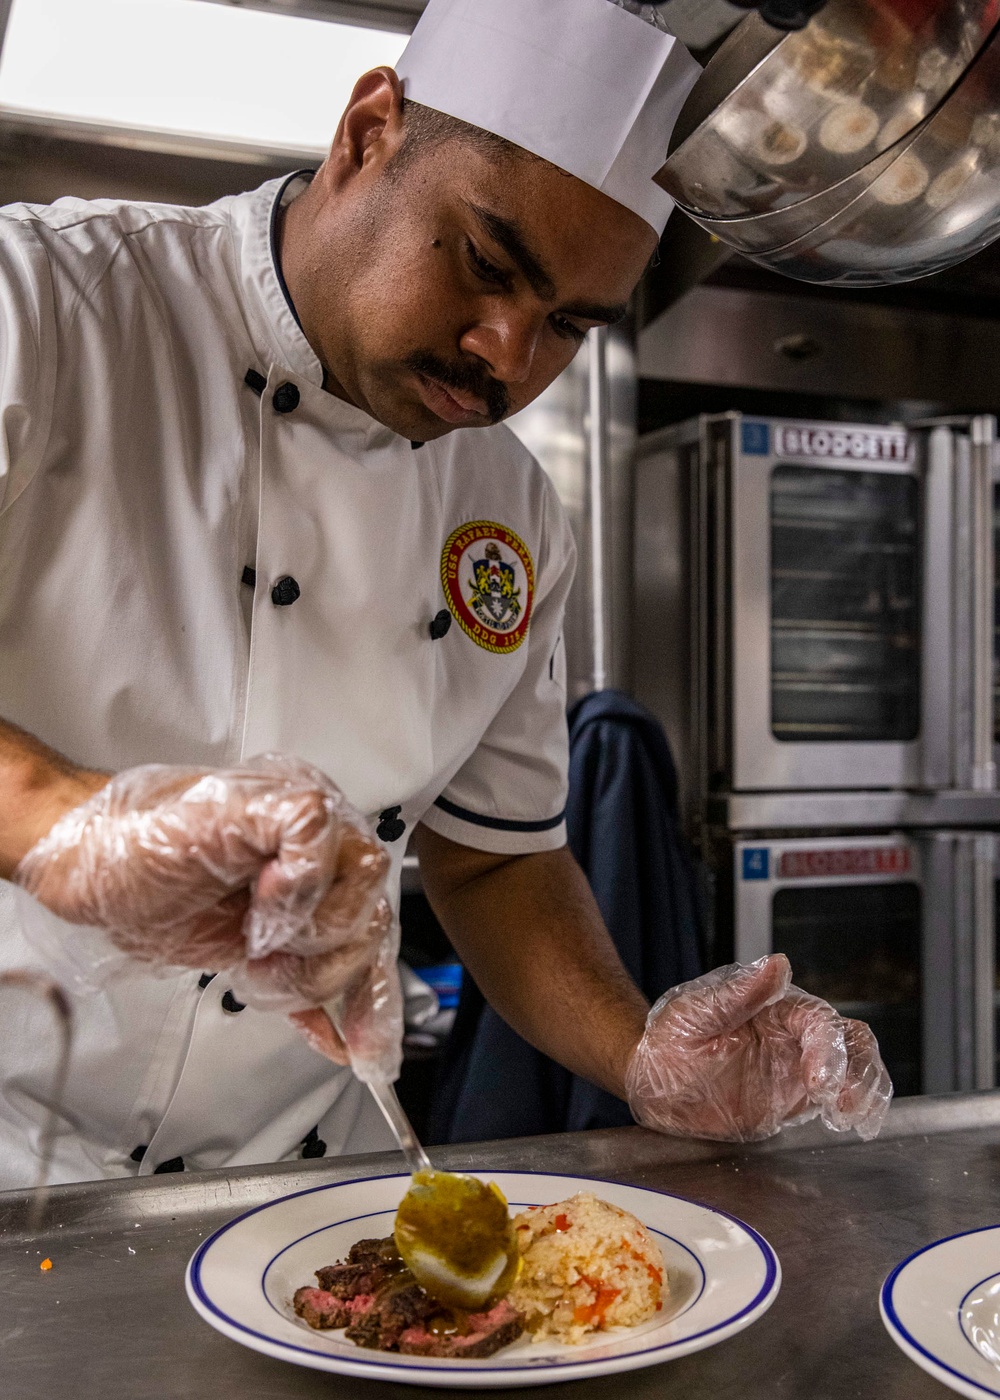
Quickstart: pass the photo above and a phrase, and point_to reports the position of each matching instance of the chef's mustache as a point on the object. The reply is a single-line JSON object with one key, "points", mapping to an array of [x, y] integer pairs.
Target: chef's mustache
{"points": [[469, 378]]}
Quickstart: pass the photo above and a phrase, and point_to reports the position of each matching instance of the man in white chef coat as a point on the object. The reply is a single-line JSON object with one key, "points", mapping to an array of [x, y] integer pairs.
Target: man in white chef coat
{"points": [[255, 497]]}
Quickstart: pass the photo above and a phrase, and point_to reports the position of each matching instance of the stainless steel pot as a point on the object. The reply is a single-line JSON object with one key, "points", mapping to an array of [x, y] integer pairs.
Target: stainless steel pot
{"points": [[934, 204], [778, 119], [763, 233]]}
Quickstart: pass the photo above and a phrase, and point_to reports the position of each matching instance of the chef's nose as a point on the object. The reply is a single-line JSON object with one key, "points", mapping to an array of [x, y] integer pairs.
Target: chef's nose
{"points": [[507, 345]]}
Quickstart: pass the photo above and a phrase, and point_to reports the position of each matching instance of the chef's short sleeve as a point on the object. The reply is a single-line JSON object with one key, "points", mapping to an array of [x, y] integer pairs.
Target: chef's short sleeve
{"points": [[510, 795], [27, 355]]}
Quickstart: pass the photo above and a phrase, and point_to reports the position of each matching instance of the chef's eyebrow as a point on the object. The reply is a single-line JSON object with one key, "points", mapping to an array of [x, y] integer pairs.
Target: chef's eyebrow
{"points": [[508, 236]]}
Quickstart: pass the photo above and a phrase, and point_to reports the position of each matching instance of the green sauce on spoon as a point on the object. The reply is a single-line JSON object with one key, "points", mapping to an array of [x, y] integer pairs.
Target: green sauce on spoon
{"points": [[455, 1235]]}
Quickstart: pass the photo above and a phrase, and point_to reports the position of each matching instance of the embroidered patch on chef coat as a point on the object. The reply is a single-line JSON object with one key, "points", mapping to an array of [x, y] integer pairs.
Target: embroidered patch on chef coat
{"points": [[489, 581]]}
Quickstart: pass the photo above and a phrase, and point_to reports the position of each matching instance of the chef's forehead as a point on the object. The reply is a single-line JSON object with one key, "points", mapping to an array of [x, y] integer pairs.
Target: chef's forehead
{"points": [[494, 169], [425, 130]]}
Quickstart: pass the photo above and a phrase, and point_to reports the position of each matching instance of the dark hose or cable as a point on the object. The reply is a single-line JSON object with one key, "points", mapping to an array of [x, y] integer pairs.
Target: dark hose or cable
{"points": [[782, 14]]}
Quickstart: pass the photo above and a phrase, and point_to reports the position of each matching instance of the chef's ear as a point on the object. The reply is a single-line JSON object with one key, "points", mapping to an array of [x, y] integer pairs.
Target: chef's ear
{"points": [[371, 128]]}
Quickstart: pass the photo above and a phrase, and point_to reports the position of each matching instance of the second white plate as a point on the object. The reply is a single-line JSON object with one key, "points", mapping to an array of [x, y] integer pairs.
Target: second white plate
{"points": [[942, 1307], [722, 1276]]}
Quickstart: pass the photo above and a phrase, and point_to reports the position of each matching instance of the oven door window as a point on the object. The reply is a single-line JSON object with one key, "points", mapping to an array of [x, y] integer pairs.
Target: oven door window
{"points": [[845, 656], [858, 946]]}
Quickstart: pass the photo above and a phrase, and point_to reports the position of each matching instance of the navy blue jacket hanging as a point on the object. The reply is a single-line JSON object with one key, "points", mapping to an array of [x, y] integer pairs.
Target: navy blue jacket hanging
{"points": [[623, 824]]}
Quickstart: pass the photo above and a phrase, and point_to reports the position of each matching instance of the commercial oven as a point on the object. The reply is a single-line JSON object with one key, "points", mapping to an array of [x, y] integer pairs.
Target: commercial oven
{"points": [[814, 602], [896, 929]]}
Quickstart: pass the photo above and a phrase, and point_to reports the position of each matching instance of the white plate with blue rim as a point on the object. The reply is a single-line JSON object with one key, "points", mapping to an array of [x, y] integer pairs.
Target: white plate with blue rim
{"points": [[942, 1307], [720, 1274]]}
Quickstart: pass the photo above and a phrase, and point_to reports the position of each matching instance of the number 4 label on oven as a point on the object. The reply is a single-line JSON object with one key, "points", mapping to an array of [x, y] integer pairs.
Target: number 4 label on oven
{"points": [[756, 863]]}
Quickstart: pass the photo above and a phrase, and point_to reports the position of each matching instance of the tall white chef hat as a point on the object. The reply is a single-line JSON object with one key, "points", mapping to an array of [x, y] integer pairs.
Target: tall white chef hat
{"points": [[581, 83]]}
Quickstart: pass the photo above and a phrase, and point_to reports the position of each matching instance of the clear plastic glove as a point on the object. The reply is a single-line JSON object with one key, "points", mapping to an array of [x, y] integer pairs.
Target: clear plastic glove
{"points": [[738, 1054], [363, 1028], [264, 871]]}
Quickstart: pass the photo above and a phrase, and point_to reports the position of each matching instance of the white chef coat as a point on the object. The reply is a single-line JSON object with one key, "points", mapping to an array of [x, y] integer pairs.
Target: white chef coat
{"points": [[163, 432]]}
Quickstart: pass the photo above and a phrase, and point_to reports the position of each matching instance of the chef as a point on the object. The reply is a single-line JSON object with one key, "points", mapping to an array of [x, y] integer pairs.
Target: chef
{"points": [[279, 592]]}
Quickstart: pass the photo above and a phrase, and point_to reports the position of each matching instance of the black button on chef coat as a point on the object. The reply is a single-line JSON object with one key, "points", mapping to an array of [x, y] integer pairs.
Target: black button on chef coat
{"points": [[285, 592], [390, 827], [439, 624], [286, 398], [313, 1145]]}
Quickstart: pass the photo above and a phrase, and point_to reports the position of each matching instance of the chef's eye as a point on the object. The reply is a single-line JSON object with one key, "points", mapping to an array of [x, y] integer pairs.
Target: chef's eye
{"points": [[567, 329], [484, 269]]}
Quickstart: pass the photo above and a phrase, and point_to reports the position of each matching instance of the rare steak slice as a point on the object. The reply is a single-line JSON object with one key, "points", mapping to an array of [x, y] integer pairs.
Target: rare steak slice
{"points": [[370, 1263], [324, 1310], [483, 1335], [398, 1304]]}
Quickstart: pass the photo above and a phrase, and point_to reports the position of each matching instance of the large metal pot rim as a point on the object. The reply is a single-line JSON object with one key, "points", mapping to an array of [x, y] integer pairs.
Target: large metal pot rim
{"points": [[751, 48], [898, 263]]}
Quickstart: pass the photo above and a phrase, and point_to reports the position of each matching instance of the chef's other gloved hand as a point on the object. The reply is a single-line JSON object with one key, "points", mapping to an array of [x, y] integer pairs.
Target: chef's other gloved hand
{"points": [[738, 1054], [264, 871]]}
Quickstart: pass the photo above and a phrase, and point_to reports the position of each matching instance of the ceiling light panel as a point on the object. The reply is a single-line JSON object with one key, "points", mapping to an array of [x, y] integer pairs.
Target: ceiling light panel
{"points": [[223, 72]]}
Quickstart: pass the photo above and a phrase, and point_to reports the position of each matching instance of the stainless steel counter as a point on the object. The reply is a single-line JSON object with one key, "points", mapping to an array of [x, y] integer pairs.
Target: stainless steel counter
{"points": [[110, 1321]]}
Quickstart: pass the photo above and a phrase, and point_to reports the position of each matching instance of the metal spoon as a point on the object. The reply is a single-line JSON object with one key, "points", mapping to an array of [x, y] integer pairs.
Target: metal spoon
{"points": [[387, 1099]]}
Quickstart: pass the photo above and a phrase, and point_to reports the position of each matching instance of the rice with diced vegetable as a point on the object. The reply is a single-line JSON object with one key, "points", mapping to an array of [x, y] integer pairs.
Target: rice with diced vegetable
{"points": [[586, 1266]]}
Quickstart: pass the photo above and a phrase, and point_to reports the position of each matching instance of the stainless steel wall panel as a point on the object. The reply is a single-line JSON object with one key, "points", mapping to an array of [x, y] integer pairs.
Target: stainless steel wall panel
{"points": [[948, 485], [664, 626], [982, 442], [857, 349], [946, 636], [959, 939], [944, 950], [556, 428], [986, 872]]}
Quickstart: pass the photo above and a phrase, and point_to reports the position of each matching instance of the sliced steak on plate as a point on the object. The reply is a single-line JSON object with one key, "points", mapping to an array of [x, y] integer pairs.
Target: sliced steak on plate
{"points": [[369, 1251], [399, 1304], [383, 1307], [487, 1333], [324, 1310], [369, 1264]]}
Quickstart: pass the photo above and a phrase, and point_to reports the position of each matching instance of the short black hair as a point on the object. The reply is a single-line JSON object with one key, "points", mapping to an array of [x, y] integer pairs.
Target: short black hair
{"points": [[424, 128]]}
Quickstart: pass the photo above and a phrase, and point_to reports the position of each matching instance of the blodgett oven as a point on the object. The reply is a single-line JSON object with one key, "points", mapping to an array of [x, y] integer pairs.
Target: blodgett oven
{"points": [[897, 930], [815, 625], [814, 603]]}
